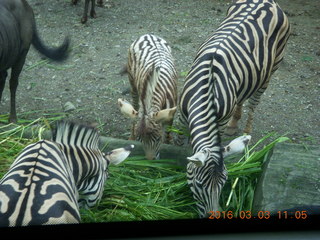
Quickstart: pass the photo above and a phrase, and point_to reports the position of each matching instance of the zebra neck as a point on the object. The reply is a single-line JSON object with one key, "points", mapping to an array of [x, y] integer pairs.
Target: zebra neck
{"points": [[80, 146], [143, 112], [70, 134], [205, 136], [147, 89], [202, 117]]}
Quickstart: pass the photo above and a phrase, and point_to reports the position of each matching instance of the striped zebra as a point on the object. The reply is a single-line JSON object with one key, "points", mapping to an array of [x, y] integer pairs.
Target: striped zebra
{"points": [[231, 66], [153, 80], [50, 180]]}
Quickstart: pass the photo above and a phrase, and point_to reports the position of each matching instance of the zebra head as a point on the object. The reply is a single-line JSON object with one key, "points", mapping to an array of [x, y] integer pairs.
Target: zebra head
{"points": [[149, 129], [116, 156], [206, 173], [236, 146]]}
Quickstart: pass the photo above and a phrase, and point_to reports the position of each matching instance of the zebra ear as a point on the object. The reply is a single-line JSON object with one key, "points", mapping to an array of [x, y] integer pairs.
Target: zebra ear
{"points": [[236, 146], [165, 115], [127, 109], [198, 159], [118, 155]]}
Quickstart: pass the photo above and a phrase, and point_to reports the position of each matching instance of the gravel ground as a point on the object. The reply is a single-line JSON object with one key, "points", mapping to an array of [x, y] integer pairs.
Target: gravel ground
{"points": [[90, 78]]}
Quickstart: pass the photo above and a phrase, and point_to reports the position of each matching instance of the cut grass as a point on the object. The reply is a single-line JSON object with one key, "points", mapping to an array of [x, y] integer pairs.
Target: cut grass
{"points": [[50, 115], [140, 189], [144, 190], [238, 193], [12, 141]]}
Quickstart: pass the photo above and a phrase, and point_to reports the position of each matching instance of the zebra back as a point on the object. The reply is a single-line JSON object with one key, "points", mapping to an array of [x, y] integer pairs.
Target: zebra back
{"points": [[39, 188], [80, 145], [152, 74], [43, 184]]}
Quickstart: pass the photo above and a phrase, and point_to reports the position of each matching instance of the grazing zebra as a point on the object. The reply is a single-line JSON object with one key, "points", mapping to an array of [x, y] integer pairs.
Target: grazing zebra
{"points": [[231, 66], [153, 80], [49, 180]]}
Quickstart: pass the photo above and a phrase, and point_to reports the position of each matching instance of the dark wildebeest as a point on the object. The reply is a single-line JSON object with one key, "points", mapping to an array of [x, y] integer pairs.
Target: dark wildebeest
{"points": [[17, 32], [86, 8]]}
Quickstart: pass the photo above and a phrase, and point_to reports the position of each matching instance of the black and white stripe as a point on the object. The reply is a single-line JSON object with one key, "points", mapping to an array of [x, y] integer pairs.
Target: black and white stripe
{"points": [[231, 66], [49, 180], [153, 80], [81, 147], [39, 188]]}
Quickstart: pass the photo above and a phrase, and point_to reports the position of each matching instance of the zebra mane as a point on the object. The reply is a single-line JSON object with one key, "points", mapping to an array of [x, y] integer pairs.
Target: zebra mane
{"points": [[148, 88], [69, 133]]}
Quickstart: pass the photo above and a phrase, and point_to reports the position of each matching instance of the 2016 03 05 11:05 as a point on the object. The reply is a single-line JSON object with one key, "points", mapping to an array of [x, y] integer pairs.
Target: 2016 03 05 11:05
{"points": [[258, 215]]}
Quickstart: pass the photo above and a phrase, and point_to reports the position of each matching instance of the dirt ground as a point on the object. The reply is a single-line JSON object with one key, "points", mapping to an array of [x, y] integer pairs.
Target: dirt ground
{"points": [[90, 78]]}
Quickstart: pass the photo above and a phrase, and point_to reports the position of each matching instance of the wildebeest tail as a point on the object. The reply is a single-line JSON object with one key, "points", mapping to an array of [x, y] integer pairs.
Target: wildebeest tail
{"points": [[57, 54]]}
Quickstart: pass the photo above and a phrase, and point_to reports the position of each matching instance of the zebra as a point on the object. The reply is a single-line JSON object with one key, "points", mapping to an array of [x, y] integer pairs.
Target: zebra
{"points": [[51, 179], [234, 64], [153, 79]]}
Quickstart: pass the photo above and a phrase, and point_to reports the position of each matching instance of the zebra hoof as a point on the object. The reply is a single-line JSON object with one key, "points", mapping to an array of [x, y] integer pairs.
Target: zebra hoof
{"points": [[84, 19]]}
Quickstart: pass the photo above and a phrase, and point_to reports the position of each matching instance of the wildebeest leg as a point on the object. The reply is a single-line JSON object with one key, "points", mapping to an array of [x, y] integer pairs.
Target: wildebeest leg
{"points": [[93, 12], [100, 3], [3, 76], [85, 13], [14, 81]]}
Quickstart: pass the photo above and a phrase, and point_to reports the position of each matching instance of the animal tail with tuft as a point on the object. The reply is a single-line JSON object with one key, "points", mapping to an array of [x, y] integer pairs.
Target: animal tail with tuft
{"points": [[58, 54]]}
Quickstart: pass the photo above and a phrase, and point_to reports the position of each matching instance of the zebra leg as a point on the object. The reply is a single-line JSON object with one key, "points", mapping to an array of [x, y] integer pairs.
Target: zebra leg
{"points": [[248, 128], [168, 138], [232, 127], [133, 132], [253, 102]]}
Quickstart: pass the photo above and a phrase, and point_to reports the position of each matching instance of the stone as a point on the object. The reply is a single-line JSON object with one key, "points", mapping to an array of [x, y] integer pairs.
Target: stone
{"points": [[68, 107], [290, 179]]}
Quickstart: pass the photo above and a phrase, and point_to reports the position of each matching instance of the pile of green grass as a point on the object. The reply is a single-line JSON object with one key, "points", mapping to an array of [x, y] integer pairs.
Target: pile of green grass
{"points": [[243, 175], [140, 189], [153, 190], [12, 140]]}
